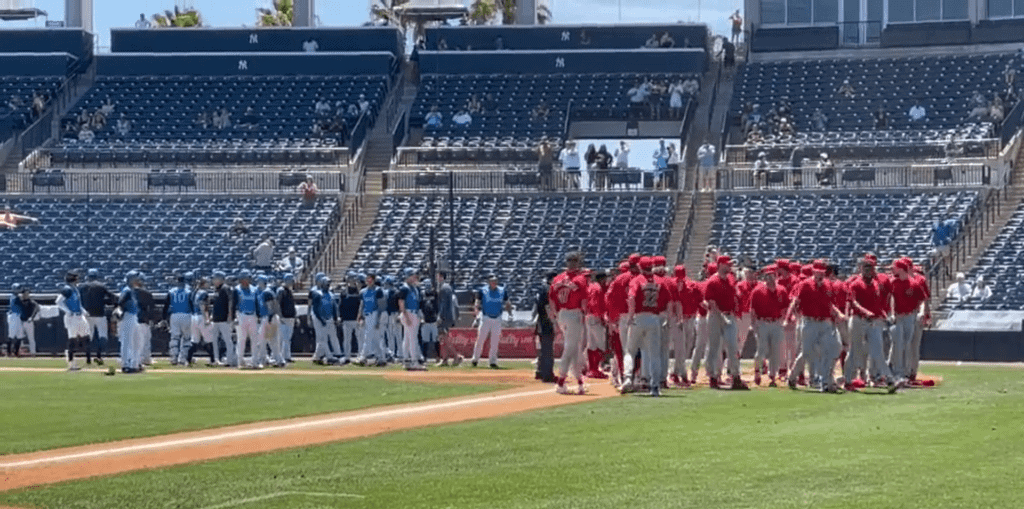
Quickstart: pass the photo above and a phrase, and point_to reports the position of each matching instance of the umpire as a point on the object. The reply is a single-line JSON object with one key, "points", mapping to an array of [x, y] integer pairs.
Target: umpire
{"points": [[544, 328]]}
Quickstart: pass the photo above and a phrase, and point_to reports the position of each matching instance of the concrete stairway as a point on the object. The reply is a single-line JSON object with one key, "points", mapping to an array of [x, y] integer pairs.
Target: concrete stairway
{"points": [[700, 234], [675, 239]]}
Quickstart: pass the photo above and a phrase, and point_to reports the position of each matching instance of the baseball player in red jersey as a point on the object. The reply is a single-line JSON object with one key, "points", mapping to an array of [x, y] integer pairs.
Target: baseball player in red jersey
{"points": [[597, 332], [813, 298], [787, 351], [687, 298], [616, 305], [840, 298], [701, 339], [648, 310], [662, 277], [919, 326], [907, 297], [722, 301], [744, 324], [869, 302], [768, 304], [568, 296]]}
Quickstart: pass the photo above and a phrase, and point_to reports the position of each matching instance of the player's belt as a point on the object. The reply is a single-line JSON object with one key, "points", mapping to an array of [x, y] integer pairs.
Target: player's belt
{"points": [[817, 319], [248, 314], [770, 320], [497, 317], [178, 313]]}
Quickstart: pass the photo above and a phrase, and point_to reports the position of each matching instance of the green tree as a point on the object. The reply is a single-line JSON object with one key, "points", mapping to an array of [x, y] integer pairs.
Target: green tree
{"points": [[280, 16], [482, 12], [178, 18]]}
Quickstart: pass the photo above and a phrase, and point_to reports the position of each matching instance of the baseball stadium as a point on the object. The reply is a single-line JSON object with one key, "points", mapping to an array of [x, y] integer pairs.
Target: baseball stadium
{"points": [[511, 254]]}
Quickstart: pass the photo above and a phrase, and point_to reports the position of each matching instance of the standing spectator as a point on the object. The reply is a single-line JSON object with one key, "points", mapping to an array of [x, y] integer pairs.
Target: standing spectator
{"points": [[142, 22], [544, 328], [263, 255], [826, 173], [622, 155], [729, 52], [660, 164], [602, 162], [961, 290], [708, 161], [310, 45], [590, 157], [638, 96], [673, 164], [691, 87], [322, 108], [737, 26], [292, 262], [570, 159], [308, 190], [761, 171], [364, 104], [675, 100], [545, 161]]}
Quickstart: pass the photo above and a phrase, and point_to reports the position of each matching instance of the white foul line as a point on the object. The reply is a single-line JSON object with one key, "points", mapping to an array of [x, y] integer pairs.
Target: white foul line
{"points": [[395, 412], [261, 498]]}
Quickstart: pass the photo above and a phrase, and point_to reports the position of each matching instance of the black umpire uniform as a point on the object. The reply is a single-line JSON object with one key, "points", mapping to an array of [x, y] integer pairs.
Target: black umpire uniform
{"points": [[545, 331]]}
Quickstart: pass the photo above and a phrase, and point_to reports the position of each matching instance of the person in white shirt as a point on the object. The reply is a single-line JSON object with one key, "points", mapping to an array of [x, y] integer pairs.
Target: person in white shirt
{"points": [[675, 99], [982, 291], [961, 290], [291, 263], [123, 125], [85, 135], [917, 113], [622, 156], [364, 105], [708, 161], [310, 46], [107, 107], [142, 22], [570, 157], [322, 108], [263, 254]]}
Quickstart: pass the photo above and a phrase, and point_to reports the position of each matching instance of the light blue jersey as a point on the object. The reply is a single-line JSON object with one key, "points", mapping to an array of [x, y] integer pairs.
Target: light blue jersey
{"points": [[264, 296], [178, 301], [322, 302], [198, 300], [492, 302], [72, 298], [15, 304], [411, 295], [370, 297], [245, 300], [129, 301]]}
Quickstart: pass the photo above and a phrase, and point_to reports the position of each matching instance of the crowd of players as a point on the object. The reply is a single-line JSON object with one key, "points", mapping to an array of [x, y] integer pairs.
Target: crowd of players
{"points": [[803, 317]]}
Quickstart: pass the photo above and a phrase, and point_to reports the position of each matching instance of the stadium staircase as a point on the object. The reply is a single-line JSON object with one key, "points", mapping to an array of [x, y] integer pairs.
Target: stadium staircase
{"points": [[700, 233]]}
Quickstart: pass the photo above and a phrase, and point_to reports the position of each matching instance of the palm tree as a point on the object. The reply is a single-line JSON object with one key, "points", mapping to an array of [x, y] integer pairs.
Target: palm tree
{"points": [[280, 16], [389, 11], [178, 18], [482, 12]]}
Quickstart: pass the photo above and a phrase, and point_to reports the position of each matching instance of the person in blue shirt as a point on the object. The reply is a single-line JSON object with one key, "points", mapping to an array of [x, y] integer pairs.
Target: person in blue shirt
{"points": [[266, 304], [349, 301], [178, 315], [246, 314], [70, 302], [127, 314], [286, 320], [392, 324], [491, 300], [324, 311], [15, 330], [371, 316], [409, 298]]}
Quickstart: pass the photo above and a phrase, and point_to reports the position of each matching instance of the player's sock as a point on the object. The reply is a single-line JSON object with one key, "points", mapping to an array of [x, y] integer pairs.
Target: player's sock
{"points": [[17, 347]]}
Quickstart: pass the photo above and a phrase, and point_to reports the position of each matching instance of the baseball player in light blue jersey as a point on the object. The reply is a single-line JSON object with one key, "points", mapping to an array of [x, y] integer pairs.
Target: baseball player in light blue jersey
{"points": [[324, 309], [70, 302], [178, 314], [127, 312], [202, 331], [246, 314], [266, 304], [409, 312], [286, 319], [371, 314]]}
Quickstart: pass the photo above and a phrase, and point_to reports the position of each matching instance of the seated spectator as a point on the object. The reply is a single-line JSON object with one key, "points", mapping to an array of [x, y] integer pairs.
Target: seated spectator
{"points": [[107, 107], [310, 45], [364, 104], [652, 42], [142, 22], [917, 113], [15, 103], [666, 41], [541, 111], [69, 130], [881, 118], [341, 130], [473, 104], [622, 155], [340, 109], [99, 120], [291, 263], [432, 119], [691, 87], [819, 120], [322, 108], [308, 189], [238, 228], [353, 111], [826, 173], [223, 119], [263, 254], [317, 130], [961, 290], [202, 120], [784, 109], [846, 89], [755, 136], [978, 99], [123, 125], [753, 118], [786, 129], [981, 109], [996, 112], [84, 117], [85, 135], [462, 118], [249, 119], [489, 104], [982, 291], [442, 44]]}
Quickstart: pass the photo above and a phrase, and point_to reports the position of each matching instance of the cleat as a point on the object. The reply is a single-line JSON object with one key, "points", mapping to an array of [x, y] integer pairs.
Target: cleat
{"points": [[655, 392], [561, 389], [739, 385], [474, 363], [801, 380], [494, 365], [757, 379], [626, 387], [791, 383], [581, 389], [772, 383], [849, 388], [458, 360], [713, 383]]}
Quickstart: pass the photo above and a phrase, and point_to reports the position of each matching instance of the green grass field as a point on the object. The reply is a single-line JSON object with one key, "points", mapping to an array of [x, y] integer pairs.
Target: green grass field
{"points": [[48, 410], [954, 446]]}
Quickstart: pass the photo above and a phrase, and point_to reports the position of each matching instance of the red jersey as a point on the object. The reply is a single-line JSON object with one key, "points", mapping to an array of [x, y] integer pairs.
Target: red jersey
{"points": [[595, 300], [815, 301], [769, 304], [787, 282], [873, 297], [723, 292], [923, 283], [568, 291], [615, 297], [649, 296], [840, 294], [907, 295], [743, 291], [689, 296]]}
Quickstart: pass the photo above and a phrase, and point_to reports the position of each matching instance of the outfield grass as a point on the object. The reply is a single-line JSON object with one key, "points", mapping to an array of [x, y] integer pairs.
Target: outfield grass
{"points": [[955, 446], [47, 410]]}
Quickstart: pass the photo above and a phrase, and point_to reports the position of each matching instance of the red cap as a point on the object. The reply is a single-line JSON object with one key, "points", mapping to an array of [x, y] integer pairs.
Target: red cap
{"points": [[659, 260], [908, 261], [768, 270], [794, 267], [624, 267], [819, 265], [871, 257], [899, 264], [712, 267], [808, 269], [782, 263], [646, 263], [724, 260], [871, 260], [680, 271], [634, 259]]}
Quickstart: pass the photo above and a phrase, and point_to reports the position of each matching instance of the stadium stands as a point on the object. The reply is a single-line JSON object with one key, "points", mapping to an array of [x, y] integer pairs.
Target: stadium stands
{"points": [[161, 236], [274, 39], [1000, 265], [837, 226], [518, 238], [563, 37], [17, 93]]}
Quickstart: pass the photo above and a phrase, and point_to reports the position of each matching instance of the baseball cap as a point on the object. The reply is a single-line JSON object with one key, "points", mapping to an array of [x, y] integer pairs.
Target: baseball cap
{"points": [[724, 260], [244, 274], [809, 269], [782, 263], [624, 267], [132, 275], [870, 260], [819, 266], [410, 272], [794, 267], [289, 277], [262, 278], [190, 276], [93, 273], [680, 271], [768, 270], [646, 262], [634, 259], [660, 260], [493, 277], [325, 280], [712, 267], [218, 274]]}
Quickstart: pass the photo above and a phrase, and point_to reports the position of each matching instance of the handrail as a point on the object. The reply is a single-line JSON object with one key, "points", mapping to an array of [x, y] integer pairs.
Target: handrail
{"points": [[169, 182], [565, 125], [328, 259], [684, 243], [858, 177]]}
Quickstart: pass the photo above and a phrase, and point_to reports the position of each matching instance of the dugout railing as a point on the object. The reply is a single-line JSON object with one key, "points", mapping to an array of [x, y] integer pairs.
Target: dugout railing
{"points": [[859, 176], [170, 181]]}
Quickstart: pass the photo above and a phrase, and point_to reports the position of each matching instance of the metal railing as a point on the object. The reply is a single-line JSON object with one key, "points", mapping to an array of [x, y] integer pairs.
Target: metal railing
{"points": [[89, 156], [858, 177], [851, 149], [432, 181], [472, 156], [170, 182], [688, 231], [330, 257]]}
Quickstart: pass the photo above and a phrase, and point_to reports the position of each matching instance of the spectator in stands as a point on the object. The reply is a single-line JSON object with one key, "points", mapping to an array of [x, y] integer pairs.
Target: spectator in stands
{"points": [[107, 107], [942, 235], [499, 43], [819, 120], [755, 136], [785, 109], [263, 255], [638, 97], [249, 119], [673, 163], [846, 89], [881, 118], [238, 228], [223, 119], [70, 130], [84, 117], [622, 156], [917, 114], [124, 126], [473, 104], [38, 103], [433, 118], [341, 131], [691, 87], [660, 157], [666, 41], [541, 111], [489, 104], [737, 26], [729, 52], [570, 157], [442, 44], [981, 108], [99, 120], [826, 174], [364, 104], [960, 291], [675, 99], [602, 162], [545, 165], [317, 131], [142, 22], [202, 119], [15, 103], [761, 171], [310, 45], [708, 161], [353, 111], [85, 135], [982, 291], [291, 263], [996, 112], [590, 157], [322, 108], [462, 118], [308, 189], [653, 41], [786, 130], [753, 119]]}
